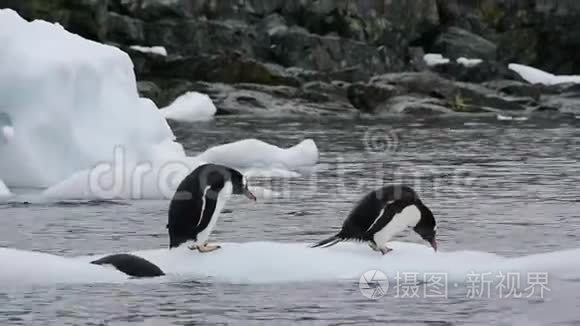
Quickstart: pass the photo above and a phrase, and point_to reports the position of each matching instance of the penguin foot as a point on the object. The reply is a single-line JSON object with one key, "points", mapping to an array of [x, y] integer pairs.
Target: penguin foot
{"points": [[374, 246], [385, 250], [208, 248]]}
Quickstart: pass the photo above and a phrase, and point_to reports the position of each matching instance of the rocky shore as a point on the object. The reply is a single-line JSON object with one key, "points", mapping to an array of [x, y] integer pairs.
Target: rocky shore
{"points": [[338, 56]]}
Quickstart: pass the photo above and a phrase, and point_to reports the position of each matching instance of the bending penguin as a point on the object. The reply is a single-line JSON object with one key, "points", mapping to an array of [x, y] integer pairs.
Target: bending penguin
{"points": [[383, 213], [197, 204]]}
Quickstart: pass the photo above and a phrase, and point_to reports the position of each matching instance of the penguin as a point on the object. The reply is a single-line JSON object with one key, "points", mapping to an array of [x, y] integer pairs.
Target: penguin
{"points": [[197, 204], [131, 265], [383, 213]]}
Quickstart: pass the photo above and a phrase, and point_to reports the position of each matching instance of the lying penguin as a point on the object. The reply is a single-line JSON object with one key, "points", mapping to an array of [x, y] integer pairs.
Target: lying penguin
{"points": [[383, 213], [193, 213]]}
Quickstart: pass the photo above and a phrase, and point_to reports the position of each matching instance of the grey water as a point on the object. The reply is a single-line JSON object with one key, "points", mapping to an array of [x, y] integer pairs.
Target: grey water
{"points": [[504, 187]]}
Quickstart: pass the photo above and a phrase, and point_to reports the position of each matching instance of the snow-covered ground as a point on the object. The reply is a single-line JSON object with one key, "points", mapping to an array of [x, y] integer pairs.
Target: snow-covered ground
{"points": [[159, 50], [190, 107], [72, 121], [536, 76]]}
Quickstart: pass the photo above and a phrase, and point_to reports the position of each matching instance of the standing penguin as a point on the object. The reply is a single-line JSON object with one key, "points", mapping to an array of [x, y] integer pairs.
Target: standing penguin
{"points": [[383, 213], [198, 201]]}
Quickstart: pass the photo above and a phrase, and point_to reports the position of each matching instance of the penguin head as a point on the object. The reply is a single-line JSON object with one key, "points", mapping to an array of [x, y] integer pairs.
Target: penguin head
{"points": [[216, 176], [427, 227], [240, 185]]}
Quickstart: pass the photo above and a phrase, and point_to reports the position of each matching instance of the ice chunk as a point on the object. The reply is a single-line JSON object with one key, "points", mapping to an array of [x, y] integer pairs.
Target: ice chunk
{"points": [[469, 63], [71, 101], [159, 50], [502, 117], [256, 153], [345, 261], [124, 178], [536, 76], [434, 59], [190, 107]]}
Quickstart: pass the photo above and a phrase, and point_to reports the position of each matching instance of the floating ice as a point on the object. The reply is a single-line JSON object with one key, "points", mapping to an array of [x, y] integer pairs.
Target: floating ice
{"points": [[159, 50], [124, 178], [71, 102], [252, 153], [4, 191], [536, 76], [190, 107], [469, 63], [274, 262], [434, 59]]}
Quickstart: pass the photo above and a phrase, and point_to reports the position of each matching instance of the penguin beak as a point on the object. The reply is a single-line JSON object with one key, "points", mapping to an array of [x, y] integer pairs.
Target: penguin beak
{"points": [[249, 194]]}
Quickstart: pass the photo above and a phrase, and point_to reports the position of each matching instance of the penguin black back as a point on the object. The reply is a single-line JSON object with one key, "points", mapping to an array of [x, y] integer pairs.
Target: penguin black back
{"points": [[131, 265], [376, 209]]}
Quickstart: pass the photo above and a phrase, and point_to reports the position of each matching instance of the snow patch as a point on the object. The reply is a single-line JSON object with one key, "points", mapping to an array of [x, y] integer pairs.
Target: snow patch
{"points": [[435, 59], [159, 50], [536, 76], [190, 107], [502, 117], [71, 102], [345, 261], [468, 63]]}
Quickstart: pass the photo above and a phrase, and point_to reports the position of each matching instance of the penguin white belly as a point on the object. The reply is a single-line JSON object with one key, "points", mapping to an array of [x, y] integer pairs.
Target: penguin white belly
{"points": [[409, 216], [223, 197]]}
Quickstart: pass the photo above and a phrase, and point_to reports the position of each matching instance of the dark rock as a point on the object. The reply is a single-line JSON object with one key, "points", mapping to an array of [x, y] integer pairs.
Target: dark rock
{"points": [[456, 42], [515, 88], [124, 29], [271, 100], [368, 97], [414, 105], [482, 72], [460, 97], [149, 90]]}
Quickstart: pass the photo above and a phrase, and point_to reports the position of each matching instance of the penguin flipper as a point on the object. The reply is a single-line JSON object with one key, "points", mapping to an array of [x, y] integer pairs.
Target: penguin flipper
{"points": [[328, 242]]}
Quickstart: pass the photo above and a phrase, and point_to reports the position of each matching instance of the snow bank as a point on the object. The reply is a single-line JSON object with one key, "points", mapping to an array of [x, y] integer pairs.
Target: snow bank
{"points": [[71, 102], [159, 50], [434, 59], [468, 63], [536, 76], [256, 153], [274, 262], [190, 107], [4, 191]]}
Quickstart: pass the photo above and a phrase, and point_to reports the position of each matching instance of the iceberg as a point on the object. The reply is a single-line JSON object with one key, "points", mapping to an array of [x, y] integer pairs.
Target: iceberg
{"points": [[126, 179], [536, 76], [190, 107], [276, 262], [71, 102]]}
